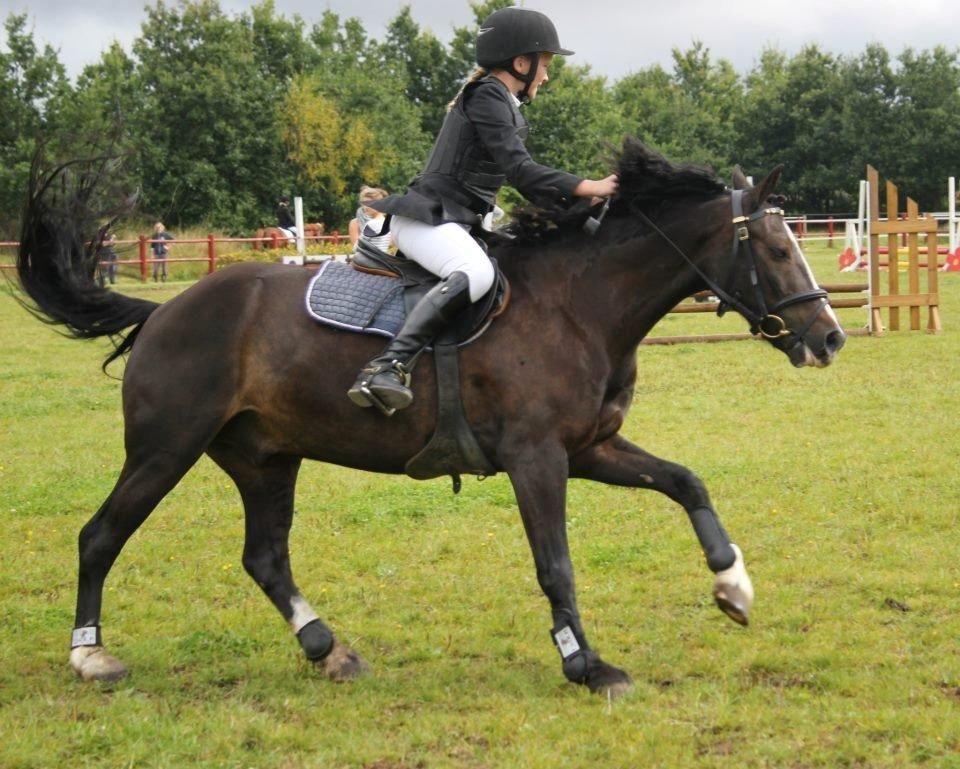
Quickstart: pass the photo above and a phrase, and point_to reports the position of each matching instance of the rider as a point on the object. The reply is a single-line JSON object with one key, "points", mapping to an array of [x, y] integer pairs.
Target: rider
{"points": [[285, 218], [480, 146]]}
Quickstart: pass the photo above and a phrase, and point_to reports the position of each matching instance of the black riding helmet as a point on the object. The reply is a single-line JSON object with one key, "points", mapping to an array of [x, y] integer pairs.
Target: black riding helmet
{"points": [[512, 32]]}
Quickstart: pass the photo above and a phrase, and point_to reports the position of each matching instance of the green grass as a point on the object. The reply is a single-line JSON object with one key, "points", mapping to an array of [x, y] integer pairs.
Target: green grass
{"points": [[840, 485]]}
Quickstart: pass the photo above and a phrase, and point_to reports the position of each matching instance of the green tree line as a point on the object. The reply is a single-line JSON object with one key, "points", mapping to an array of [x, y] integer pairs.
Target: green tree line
{"points": [[219, 114]]}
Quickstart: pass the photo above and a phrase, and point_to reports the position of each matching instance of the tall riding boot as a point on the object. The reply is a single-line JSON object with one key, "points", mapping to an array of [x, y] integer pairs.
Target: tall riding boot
{"points": [[385, 381]]}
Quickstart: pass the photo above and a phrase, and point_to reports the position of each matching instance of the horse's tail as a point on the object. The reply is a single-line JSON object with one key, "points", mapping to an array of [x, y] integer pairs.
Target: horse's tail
{"points": [[64, 221]]}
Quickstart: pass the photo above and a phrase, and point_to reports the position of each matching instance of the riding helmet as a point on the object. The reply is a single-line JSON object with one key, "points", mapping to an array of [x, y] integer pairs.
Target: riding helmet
{"points": [[512, 32]]}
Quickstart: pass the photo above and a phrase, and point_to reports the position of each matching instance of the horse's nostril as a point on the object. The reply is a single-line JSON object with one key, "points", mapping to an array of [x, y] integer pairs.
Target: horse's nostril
{"points": [[835, 340]]}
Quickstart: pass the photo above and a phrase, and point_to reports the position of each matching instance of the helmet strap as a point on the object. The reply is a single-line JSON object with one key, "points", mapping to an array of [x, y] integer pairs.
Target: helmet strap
{"points": [[527, 80]]}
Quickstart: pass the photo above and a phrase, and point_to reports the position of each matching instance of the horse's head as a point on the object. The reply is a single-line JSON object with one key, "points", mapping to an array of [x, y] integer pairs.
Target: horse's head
{"points": [[772, 285]]}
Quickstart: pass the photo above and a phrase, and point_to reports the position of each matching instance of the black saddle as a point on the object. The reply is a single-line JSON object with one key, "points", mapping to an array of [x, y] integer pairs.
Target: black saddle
{"points": [[417, 281]]}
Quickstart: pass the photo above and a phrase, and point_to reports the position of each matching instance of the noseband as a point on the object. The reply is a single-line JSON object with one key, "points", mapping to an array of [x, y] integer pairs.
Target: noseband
{"points": [[762, 320]]}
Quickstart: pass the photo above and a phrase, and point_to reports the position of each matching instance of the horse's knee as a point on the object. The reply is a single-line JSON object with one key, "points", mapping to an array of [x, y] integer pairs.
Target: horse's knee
{"points": [[261, 567], [556, 580]]}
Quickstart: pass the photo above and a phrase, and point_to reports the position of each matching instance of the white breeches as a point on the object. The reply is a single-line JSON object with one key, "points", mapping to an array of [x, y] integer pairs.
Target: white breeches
{"points": [[444, 249]]}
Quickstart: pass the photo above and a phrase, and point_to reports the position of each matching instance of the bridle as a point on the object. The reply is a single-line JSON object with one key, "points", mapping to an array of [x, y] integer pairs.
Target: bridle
{"points": [[762, 320]]}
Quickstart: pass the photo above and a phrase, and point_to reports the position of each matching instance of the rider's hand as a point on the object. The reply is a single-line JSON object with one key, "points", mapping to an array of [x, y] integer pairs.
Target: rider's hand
{"points": [[598, 188]]}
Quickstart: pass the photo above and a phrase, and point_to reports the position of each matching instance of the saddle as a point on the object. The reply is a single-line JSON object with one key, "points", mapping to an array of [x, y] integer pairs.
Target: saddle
{"points": [[374, 297], [417, 281]]}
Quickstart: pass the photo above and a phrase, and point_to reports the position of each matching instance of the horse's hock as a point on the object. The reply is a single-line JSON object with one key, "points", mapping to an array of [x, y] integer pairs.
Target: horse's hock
{"points": [[910, 228]]}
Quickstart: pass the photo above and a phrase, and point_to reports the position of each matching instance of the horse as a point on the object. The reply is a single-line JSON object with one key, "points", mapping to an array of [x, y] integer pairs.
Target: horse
{"points": [[281, 237], [234, 368]]}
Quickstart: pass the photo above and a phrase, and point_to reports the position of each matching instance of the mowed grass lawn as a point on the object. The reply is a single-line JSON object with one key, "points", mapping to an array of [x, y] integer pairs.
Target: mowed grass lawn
{"points": [[841, 486]]}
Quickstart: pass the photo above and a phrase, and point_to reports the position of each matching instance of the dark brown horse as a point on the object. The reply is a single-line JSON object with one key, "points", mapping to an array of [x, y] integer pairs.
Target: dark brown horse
{"points": [[234, 367]]}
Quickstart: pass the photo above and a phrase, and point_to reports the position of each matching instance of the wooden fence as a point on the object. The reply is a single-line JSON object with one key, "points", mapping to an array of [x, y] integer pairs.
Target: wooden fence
{"points": [[910, 227]]}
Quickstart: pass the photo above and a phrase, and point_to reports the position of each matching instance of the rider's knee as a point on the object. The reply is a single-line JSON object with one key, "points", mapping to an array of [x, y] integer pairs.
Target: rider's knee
{"points": [[481, 278]]}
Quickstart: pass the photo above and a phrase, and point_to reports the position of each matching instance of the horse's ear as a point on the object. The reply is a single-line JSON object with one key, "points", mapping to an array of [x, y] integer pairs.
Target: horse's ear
{"points": [[739, 180], [765, 189]]}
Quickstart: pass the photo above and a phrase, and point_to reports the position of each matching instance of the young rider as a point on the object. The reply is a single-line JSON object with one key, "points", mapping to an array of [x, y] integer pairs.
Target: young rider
{"points": [[480, 146]]}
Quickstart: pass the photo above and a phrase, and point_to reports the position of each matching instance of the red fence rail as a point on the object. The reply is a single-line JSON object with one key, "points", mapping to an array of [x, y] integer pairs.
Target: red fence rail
{"points": [[144, 261]]}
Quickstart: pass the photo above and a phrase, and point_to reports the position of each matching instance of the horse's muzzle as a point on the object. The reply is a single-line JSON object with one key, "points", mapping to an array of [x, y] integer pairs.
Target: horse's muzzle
{"points": [[801, 354]]}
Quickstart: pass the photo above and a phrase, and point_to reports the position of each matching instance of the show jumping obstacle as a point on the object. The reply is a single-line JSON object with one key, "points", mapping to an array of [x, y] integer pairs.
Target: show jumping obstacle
{"points": [[911, 228]]}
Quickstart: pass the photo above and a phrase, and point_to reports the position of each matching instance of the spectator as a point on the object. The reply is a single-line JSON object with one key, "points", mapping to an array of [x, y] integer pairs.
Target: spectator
{"points": [[368, 222], [108, 254], [160, 251]]}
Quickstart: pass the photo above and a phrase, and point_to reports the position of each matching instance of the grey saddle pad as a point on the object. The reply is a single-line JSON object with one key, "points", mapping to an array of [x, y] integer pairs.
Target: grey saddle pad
{"points": [[346, 298]]}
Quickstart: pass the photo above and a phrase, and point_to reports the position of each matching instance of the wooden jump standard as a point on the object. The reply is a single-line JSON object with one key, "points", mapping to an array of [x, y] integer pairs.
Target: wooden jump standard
{"points": [[912, 227]]}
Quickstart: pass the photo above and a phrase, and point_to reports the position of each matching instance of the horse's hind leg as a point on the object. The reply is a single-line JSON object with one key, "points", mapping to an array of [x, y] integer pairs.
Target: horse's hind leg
{"points": [[267, 489], [144, 480], [619, 462]]}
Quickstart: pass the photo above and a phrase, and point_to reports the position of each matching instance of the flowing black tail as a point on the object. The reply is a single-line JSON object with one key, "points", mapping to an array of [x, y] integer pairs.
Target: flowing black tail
{"points": [[63, 226]]}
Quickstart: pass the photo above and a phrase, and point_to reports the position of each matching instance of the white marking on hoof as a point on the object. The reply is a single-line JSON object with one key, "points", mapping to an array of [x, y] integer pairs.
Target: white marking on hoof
{"points": [[92, 663], [302, 615], [733, 590]]}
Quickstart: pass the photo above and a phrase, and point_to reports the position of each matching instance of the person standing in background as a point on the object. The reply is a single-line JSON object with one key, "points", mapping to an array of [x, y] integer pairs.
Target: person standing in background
{"points": [[108, 254], [160, 251]]}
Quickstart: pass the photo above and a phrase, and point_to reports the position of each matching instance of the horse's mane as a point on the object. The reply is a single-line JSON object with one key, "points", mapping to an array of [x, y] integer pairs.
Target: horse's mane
{"points": [[647, 180]]}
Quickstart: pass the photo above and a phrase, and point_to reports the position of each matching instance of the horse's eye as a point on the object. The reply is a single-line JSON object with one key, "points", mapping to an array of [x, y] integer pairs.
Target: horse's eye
{"points": [[779, 253]]}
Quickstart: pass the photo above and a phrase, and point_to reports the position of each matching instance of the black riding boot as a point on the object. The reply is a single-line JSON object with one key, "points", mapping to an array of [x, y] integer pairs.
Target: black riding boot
{"points": [[385, 381]]}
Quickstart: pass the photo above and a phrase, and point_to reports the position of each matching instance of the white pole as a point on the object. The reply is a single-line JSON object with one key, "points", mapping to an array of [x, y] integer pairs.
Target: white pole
{"points": [[863, 241], [298, 215], [952, 205], [865, 205]]}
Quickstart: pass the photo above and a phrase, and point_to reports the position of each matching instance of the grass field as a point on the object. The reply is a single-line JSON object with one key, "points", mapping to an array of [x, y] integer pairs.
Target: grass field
{"points": [[841, 486]]}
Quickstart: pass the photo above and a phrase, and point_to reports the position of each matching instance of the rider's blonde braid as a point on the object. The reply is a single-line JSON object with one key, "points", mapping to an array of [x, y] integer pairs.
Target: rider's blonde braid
{"points": [[477, 73]]}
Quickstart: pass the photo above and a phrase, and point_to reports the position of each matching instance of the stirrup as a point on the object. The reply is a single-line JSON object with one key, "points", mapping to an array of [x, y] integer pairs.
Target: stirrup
{"points": [[363, 396]]}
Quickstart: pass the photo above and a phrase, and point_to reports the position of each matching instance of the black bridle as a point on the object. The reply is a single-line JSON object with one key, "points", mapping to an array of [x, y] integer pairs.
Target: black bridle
{"points": [[762, 320]]}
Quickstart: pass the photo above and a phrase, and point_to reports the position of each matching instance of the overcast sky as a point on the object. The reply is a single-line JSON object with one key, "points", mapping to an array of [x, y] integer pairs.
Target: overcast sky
{"points": [[614, 36]]}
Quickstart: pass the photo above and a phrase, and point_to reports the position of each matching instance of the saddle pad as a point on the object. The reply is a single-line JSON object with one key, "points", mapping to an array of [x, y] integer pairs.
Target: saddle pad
{"points": [[346, 298]]}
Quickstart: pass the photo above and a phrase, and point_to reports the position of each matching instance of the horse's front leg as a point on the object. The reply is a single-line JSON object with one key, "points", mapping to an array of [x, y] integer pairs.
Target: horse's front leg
{"points": [[539, 478], [619, 462]]}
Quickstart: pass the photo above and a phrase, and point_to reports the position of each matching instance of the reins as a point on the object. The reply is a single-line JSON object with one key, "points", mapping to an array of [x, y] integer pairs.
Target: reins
{"points": [[762, 320]]}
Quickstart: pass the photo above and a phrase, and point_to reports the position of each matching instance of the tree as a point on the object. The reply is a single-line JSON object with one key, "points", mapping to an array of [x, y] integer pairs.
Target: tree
{"points": [[689, 115], [792, 115], [31, 84], [211, 148], [574, 121], [432, 74]]}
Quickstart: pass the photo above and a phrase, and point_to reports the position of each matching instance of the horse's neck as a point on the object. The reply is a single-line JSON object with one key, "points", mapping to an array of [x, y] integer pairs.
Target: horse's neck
{"points": [[617, 293]]}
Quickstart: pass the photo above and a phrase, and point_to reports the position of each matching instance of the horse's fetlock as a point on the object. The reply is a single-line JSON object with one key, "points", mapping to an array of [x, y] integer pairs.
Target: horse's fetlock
{"points": [[575, 668], [316, 639]]}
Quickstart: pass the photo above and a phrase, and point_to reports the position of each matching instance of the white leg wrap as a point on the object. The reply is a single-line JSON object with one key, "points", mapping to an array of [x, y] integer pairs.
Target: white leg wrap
{"points": [[736, 577], [302, 615]]}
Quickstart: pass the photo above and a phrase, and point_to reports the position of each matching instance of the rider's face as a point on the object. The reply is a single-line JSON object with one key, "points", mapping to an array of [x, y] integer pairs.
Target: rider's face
{"points": [[542, 75]]}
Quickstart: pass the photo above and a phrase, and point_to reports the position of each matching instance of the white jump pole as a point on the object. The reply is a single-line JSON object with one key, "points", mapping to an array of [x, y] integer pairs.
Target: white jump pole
{"points": [[952, 206], [298, 215], [865, 219]]}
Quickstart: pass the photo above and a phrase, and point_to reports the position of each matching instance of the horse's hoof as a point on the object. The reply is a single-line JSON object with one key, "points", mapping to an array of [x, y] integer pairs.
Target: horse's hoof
{"points": [[342, 664], [608, 681], [92, 663], [733, 590]]}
